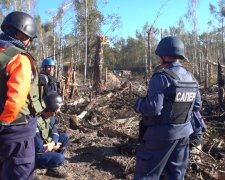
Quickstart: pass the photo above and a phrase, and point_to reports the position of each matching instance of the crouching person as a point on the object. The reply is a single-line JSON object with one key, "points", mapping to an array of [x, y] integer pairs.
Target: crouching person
{"points": [[49, 145]]}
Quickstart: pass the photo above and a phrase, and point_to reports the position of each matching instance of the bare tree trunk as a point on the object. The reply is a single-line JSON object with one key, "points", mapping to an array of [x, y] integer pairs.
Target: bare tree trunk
{"points": [[85, 61], [149, 64], [106, 75], [98, 64], [59, 16], [222, 41], [53, 21], [42, 45], [54, 43], [206, 74], [60, 61], [206, 84], [192, 16], [146, 67], [195, 22], [220, 84]]}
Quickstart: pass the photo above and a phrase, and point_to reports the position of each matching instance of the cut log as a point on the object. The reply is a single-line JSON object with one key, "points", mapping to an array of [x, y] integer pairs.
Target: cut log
{"points": [[86, 110]]}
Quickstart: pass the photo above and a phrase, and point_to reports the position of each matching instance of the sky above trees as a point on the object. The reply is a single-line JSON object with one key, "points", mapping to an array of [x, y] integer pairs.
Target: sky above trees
{"points": [[136, 13]]}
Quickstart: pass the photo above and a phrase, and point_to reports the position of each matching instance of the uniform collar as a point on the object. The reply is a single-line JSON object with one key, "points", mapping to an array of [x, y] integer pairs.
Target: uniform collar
{"points": [[6, 41], [173, 64]]}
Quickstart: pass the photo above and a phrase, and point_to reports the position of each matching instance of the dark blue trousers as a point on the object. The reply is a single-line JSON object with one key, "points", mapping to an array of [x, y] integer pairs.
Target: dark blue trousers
{"points": [[155, 157], [17, 152], [53, 159]]}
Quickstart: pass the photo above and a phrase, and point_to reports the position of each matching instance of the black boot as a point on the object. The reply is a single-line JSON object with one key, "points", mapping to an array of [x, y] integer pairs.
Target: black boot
{"points": [[58, 172], [36, 176]]}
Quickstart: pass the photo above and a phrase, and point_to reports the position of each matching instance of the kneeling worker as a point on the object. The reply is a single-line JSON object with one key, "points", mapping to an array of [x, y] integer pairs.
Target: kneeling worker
{"points": [[49, 145]]}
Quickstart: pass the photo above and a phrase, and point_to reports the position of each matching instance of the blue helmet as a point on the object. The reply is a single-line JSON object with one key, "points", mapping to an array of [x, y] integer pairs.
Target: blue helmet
{"points": [[47, 62], [170, 46]]}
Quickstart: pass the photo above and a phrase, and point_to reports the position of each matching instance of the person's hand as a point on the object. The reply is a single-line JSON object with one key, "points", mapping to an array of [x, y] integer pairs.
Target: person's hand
{"points": [[57, 146], [49, 146]]}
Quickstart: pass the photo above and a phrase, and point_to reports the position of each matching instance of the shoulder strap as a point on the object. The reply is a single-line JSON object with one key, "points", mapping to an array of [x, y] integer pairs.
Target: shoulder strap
{"points": [[45, 77], [171, 73], [168, 72], [7, 55]]}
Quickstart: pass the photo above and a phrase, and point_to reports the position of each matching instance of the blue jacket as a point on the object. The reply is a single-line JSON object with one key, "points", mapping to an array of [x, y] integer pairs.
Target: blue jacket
{"points": [[153, 105], [49, 84]]}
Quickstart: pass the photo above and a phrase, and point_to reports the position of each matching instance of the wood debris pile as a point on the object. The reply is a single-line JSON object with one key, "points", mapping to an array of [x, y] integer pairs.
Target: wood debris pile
{"points": [[209, 162], [103, 131]]}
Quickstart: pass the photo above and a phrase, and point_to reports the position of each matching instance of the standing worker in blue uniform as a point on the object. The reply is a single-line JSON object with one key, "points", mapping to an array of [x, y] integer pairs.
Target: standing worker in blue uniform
{"points": [[165, 128], [47, 79], [20, 100]]}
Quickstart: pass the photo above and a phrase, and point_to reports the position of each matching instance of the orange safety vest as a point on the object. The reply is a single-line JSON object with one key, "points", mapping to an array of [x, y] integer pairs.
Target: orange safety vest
{"points": [[22, 95]]}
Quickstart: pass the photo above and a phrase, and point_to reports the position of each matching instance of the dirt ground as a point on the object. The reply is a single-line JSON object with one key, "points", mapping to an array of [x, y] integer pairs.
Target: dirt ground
{"points": [[104, 145]]}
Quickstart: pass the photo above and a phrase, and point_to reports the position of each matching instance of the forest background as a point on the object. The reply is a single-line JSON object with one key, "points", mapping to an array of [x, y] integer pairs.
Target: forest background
{"points": [[103, 127], [85, 22]]}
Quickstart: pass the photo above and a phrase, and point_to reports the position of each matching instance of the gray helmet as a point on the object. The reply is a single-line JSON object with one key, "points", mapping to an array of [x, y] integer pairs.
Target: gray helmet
{"points": [[53, 101], [170, 46], [19, 21]]}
